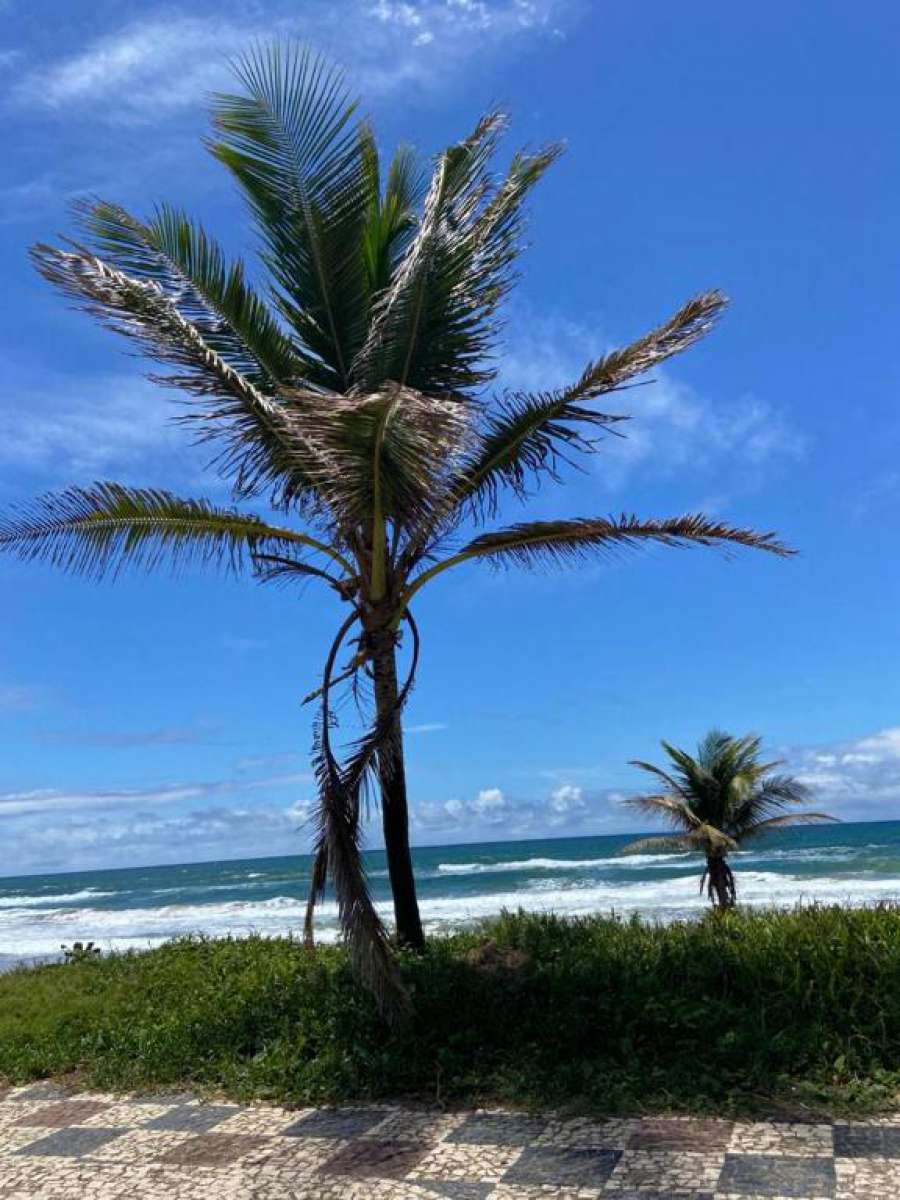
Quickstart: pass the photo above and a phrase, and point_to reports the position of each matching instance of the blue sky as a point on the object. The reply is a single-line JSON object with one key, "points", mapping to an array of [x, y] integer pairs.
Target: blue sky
{"points": [[751, 148]]}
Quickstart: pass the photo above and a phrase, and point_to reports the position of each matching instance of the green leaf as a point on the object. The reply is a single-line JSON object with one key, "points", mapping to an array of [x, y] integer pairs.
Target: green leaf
{"points": [[292, 144]]}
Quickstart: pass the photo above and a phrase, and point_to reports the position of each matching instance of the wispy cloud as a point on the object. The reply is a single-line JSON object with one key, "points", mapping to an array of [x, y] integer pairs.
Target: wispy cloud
{"points": [[54, 800], [85, 426], [164, 63], [427, 727]]}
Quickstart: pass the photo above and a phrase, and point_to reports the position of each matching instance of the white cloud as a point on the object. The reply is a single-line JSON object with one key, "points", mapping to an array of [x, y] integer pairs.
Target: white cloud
{"points": [[567, 798], [65, 428], [54, 800], [427, 727], [489, 803], [150, 839], [161, 64], [856, 780]]}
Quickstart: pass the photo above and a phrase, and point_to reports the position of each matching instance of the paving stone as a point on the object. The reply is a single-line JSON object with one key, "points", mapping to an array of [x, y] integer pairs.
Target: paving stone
{"points": [[335, 1122], [193, 1118], [262, 1120], [64, 1113], [779, 1137], [72, 1142], [498, 1129], [583, 1134], [212, 1150], [416, 1126], [367, 1158], [867, 1179], [540, 1167], [866, 1141], [668, 1133], [476, 1163], [678, 1172], [57, 1145], [774, 1175]]}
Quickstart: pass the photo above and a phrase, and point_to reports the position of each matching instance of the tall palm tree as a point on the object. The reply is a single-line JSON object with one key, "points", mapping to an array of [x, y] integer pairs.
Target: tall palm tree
{"points": [[716, 802], [348, 390]]}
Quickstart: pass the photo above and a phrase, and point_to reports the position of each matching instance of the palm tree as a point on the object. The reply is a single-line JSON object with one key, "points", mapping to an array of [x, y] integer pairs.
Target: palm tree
{"points": [[717, 801], [348, 390]]}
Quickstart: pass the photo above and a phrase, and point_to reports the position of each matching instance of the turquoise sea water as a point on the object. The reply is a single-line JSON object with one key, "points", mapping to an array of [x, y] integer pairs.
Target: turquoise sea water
{"points": [[141, 907]]}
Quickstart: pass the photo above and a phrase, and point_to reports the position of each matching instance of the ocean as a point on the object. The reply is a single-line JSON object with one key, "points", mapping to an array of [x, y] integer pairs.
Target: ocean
{"points": [[142, 907]]}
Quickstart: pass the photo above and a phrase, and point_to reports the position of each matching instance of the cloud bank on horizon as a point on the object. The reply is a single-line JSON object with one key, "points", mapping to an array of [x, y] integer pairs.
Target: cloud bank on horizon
{"points": [[853, 781]]}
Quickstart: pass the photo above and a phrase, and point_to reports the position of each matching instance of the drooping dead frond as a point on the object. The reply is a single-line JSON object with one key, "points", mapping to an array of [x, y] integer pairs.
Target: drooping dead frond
{"points": [[337, 851]]}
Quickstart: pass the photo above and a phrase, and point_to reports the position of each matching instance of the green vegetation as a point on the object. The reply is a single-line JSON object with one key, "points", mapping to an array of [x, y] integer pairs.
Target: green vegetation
{"points": [[350, 393], [737, 1011], [717, 801]]}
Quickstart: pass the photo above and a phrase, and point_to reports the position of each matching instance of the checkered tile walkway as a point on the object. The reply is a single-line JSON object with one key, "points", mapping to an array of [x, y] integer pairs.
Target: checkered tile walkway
{"points": [[58, 1146]]}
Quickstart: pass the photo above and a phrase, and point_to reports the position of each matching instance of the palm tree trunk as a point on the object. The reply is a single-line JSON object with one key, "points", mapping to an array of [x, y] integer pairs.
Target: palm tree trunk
{"points": [[719, 881], [394, 807]]}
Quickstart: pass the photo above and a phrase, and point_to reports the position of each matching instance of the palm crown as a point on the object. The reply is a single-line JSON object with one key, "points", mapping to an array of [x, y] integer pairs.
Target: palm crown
{"points": [[349, 393], [715, 801]]}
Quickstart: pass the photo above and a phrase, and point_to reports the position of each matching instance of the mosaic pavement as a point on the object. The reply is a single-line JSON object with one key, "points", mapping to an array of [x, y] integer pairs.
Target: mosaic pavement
{"points": [[61, 1146]]}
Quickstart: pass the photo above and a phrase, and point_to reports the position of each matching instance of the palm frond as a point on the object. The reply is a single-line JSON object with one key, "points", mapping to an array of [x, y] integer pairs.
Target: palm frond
{"points": [[673, 784], [434, 326], [672, 809], [263, 445], [292, 144], [554, 543], [190, 267], [337, 852], [784, 821], [660, 843], [391, 216], [532, 433], [99, 530]]}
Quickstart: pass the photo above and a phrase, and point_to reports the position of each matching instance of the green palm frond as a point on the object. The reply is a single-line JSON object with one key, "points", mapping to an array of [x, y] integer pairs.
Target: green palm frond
{"points": [[99, 530], [293, 145], [530, 434], [727, 791], [767, 796], [553, 543], [785, 821], [674, 785], [391, 216], [433, 327], [190, 267]]}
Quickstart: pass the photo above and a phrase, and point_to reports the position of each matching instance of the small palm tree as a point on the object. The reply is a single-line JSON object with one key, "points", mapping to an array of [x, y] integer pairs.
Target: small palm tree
{"points": [[717, 801], [350, 394]]}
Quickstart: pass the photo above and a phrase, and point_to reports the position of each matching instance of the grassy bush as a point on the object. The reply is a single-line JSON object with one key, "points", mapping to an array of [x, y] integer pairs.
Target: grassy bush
{"points": [[729, 1013]]}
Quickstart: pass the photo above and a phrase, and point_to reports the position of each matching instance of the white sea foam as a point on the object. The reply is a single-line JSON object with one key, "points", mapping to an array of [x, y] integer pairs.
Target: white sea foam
{"points": [[53, 900], [35, 932], [560, 864]]}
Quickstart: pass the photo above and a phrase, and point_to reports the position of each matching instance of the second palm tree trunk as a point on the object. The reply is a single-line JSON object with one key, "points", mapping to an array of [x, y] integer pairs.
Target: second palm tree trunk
{"points": [[394, 807]]}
